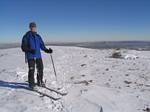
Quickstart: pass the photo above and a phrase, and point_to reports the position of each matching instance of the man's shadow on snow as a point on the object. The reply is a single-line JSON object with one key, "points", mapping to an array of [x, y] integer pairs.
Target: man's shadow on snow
{"points": [[13, 85]]}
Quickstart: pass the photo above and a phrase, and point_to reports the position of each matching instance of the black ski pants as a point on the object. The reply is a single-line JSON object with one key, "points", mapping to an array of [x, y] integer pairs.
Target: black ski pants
{"points": [[39, 65]]}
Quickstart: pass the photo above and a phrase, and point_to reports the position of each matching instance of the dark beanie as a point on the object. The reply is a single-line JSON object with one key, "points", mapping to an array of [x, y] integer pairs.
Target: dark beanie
{"points": [[32, 24]]}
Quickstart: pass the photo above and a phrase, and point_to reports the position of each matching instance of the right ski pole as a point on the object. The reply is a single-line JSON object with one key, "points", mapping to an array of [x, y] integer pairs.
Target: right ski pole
{"points": [[53, 66]]}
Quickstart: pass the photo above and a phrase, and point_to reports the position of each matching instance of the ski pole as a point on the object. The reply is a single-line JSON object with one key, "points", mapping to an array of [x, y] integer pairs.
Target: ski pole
{"points": [[53, 66]]}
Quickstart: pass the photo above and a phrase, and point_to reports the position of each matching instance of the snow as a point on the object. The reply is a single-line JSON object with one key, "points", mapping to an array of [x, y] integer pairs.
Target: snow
{"points": [[94, 81], [130, 56]]}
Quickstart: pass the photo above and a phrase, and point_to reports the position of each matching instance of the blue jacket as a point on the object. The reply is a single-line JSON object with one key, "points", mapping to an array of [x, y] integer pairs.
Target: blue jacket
{"points": [[32, 40]]}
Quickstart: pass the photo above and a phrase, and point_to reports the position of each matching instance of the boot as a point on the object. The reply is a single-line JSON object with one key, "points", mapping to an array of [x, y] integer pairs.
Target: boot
{"points": [[32, 86], [42, 84], [40, 81]]}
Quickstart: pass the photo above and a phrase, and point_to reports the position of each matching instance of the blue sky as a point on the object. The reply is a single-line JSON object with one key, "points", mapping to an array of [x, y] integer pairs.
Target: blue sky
{"points": [[76, 20]]}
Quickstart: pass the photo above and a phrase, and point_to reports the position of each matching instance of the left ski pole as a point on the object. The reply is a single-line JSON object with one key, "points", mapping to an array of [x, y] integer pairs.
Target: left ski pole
{"points": [[53, 66]]}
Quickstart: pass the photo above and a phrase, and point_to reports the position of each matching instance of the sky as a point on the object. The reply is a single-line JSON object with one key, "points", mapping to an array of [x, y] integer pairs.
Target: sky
{"points": [[76, 20]]}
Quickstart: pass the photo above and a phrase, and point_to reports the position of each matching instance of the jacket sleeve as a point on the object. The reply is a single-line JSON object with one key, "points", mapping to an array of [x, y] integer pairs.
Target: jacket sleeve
{"points": [[42, 45], [24, 45]]}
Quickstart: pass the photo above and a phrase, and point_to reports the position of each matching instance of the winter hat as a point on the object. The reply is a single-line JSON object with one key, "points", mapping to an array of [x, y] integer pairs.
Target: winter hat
{"points": [[32, 24]]}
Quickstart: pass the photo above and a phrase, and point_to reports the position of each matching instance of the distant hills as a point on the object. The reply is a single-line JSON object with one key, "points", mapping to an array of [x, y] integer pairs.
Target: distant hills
{"points": [[139, 45]]}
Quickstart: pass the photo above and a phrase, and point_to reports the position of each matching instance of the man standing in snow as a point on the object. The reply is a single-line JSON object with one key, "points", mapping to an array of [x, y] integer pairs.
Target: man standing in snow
{"points": [[32, 43]]}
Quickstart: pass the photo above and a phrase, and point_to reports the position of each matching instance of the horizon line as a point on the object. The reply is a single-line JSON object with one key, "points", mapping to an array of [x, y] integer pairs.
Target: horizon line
{"points": [[57, 42]]}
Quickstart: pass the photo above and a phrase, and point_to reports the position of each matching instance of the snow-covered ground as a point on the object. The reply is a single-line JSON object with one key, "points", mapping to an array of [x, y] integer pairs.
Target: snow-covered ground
{"points": [[92, 79]]}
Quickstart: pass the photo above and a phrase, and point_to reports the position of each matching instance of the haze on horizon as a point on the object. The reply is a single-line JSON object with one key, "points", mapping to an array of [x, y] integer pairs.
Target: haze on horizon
{"points": [[76, 20]]}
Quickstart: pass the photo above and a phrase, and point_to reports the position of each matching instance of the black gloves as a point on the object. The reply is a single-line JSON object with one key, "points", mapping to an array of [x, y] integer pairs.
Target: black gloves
{"points": [[32, 51], [46, 50], [49, 50]]}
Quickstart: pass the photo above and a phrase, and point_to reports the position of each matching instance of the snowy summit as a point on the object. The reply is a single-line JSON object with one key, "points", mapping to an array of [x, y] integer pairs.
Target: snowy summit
{"points": [[94, 81]]}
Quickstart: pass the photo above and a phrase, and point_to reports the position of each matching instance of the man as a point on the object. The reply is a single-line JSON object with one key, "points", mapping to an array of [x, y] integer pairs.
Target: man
{"points": [[32, 43]]}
